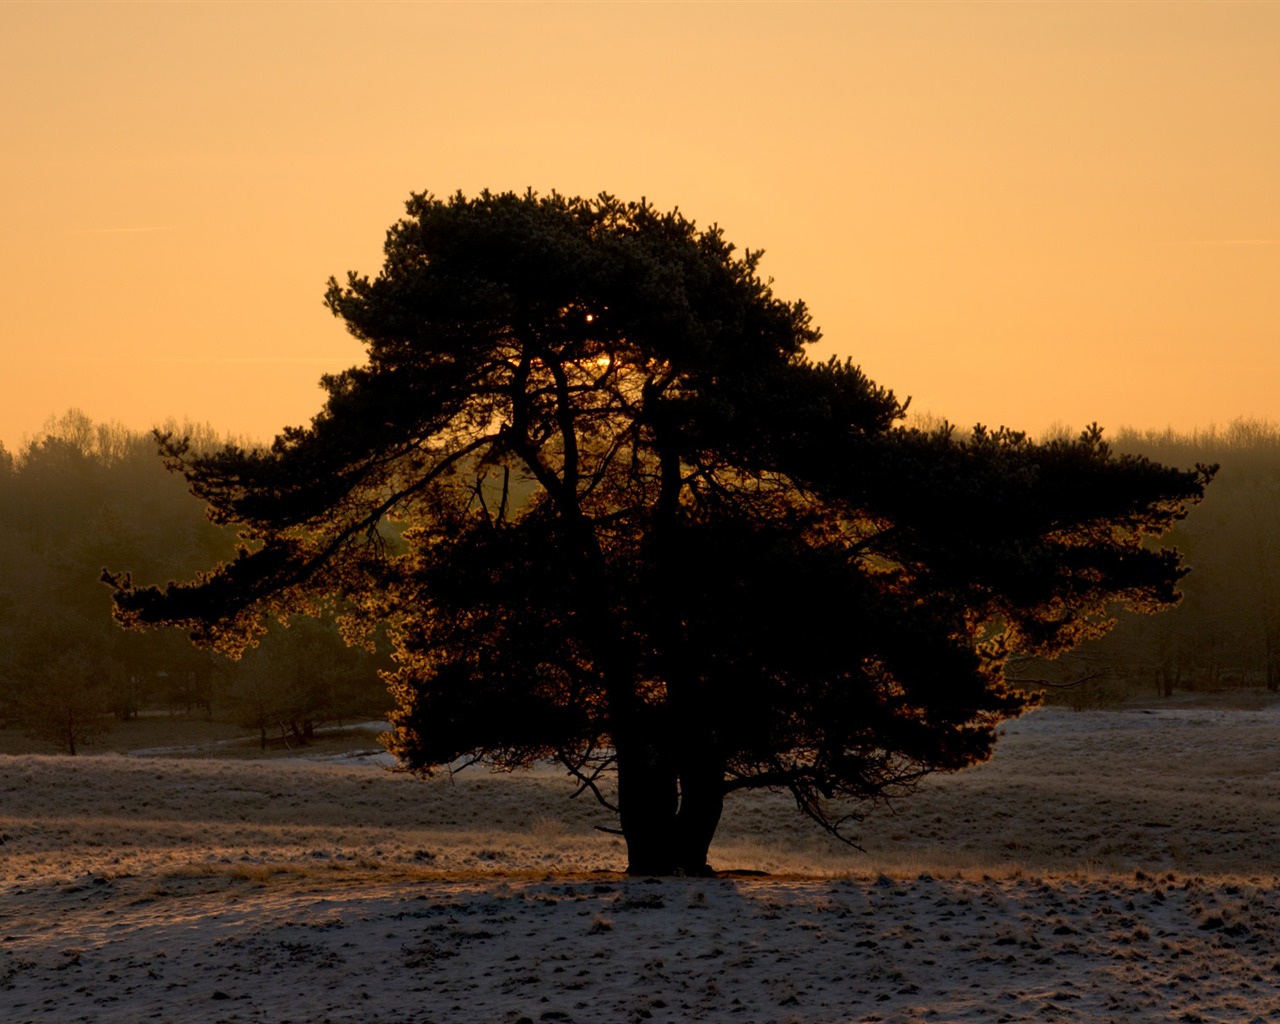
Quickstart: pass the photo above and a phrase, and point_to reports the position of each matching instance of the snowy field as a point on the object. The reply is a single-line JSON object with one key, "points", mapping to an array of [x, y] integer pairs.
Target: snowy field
{"points": [[1105, 866]]}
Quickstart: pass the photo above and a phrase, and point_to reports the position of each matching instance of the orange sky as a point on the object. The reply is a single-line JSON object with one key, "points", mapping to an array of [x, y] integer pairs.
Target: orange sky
{"points": [[1015, 213]]}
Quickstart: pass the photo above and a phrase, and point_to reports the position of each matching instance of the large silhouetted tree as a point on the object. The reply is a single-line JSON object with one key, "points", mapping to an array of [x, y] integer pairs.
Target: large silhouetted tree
{"points": [[616, 516]]}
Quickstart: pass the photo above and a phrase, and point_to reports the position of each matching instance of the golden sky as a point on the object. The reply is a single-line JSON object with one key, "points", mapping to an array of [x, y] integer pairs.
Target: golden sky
{"points": [[1027, 214]]}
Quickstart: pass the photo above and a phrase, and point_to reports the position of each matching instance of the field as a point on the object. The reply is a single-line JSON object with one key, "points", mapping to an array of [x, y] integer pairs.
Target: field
{"points": [[1106, 865]]}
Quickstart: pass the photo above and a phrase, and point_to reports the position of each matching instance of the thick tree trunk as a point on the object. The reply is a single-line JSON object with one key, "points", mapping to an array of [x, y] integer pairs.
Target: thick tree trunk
{"points": [[669, 814], [647, 804], [701, 802]]}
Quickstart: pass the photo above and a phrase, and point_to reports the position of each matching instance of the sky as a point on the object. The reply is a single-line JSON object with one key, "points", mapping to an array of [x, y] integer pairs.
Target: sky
{"points": [[1036, 215]]}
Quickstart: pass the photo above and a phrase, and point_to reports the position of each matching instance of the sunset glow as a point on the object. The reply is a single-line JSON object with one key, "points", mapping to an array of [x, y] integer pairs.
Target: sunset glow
{"points": [[1028, 214]]}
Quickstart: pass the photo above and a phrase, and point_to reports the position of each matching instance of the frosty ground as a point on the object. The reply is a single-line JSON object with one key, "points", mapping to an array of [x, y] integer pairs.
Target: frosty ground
{"points": [[1106, 865]]}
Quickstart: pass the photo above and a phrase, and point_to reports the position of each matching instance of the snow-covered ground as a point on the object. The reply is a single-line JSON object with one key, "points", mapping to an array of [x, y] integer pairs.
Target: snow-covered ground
{"points": [[1117, 865]]}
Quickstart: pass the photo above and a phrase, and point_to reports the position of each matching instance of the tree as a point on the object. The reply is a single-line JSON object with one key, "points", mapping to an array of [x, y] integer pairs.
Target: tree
{"points": [[80, 496], [66, 679], [301, 678], [616, 516]]}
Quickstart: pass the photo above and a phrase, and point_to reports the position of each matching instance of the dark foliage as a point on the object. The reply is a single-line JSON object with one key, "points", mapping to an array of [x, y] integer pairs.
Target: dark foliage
{"points": [[618, 517]]}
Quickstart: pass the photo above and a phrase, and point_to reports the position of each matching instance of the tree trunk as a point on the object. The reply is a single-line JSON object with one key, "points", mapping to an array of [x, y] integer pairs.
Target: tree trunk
{"points": [[647, 804], [669, 814], [701, 802]]}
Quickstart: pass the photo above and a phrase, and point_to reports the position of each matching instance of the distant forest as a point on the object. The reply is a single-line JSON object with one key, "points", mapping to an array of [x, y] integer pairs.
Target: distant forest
{"points": [[1226, 632], [84, 496]]}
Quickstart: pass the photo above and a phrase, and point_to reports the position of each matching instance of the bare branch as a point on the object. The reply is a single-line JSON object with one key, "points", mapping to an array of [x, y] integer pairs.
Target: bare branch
{"points": [[589, 777]]}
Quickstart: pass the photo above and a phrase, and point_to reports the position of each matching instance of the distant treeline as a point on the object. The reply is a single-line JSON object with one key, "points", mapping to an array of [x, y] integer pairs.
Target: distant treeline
{"points": [[85, 496], [1226, 631]]}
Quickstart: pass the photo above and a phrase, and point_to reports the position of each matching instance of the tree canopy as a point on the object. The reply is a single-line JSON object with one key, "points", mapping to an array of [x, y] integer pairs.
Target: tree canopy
{"points": [[617, 516]]}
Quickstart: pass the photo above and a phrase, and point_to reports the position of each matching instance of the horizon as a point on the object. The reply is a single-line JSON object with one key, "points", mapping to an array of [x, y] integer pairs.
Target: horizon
{"points": [[914, 418]]}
